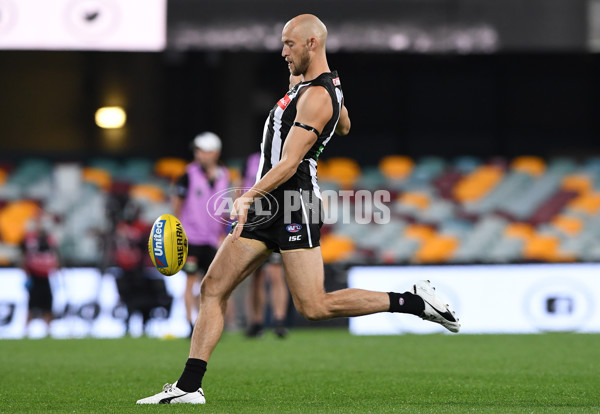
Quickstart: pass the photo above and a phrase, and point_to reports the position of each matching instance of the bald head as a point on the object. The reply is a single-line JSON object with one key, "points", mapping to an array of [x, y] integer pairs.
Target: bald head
{"points": [[307, 26]]}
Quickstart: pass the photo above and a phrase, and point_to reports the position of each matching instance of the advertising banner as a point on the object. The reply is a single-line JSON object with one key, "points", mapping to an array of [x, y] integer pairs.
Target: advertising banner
{"points": [[135, 25], [87, 303], [490, 299]]}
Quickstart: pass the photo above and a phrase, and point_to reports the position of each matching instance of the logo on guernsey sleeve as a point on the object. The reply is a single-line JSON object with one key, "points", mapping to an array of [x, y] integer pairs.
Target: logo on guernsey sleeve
{"points": [[336, 82], [158, 244], [284, 102]]}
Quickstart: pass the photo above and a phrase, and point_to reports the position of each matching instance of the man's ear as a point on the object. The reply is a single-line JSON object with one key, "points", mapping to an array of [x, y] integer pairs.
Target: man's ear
{"points": [[312, 43]]}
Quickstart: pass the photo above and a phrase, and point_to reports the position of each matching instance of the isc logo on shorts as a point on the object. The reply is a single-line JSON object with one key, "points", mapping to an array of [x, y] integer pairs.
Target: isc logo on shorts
{"points": [[297, 237], [293, 228]]}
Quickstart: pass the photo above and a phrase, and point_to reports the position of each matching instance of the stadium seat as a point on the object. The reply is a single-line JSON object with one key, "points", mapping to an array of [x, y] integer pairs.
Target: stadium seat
{"points": [[480, 239], [9, 254], [586, 203], [14, 218], [420, 232], [478, 184], [98, 177], [568, 225], [466, 164], [578, 183], [396, 167], [437, 249], [400, 250], [235, 175], [378, 236], [530, 165], [171, 168], [343, 171], [335, 248], [136, 171], [504, 250], [147, 191], [414, 199], [545, 248], [522, 231], [370, 179]]}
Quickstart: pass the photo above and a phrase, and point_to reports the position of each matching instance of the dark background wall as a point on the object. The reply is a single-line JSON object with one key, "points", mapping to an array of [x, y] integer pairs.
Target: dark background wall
{"points": [[500, 104]]}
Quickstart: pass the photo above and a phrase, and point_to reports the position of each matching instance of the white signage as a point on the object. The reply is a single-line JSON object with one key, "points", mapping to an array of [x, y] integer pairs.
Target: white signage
{"points": [[490, 299], [136, 25], [87, 303]]}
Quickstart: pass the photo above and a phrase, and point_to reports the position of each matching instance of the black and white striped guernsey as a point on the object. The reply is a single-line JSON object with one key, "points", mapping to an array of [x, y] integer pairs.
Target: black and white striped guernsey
{"points": [[280, 121]]}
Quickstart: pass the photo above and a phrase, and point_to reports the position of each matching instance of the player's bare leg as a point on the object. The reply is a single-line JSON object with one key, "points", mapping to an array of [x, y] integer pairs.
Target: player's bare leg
{"points": [[305, 278], [232, 264], [255, 303], [188, 297], [234, 261], [304, 272], [279, 297]]}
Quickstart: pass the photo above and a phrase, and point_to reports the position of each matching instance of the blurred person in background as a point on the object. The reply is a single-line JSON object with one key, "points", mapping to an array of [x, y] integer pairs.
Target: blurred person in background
{"points": [[39, 259], [271, 272], [204, 177], [137, 292]]}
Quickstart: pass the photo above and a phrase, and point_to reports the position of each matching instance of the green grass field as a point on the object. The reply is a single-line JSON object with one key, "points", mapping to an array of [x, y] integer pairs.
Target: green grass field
{"points": [[327, 371]]}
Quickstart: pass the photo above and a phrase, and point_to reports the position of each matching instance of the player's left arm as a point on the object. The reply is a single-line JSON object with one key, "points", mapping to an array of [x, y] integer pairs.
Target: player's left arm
{"points": [[314, 110]]}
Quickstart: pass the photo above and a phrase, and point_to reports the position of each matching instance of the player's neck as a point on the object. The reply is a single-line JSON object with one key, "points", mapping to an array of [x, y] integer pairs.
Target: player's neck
{"points": [[317, 67]]}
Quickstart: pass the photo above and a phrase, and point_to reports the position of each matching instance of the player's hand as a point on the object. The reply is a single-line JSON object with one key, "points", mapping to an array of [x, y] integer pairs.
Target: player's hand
{"points": [[239, 212]]}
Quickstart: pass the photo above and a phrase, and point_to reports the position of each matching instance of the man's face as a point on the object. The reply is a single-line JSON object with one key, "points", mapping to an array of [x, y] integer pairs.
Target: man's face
{"points": [[295, 51], [206, 158]]}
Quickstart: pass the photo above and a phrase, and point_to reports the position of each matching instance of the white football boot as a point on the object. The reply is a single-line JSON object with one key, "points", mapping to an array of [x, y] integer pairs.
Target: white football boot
{"points": [[173, 395], [435, 310]]}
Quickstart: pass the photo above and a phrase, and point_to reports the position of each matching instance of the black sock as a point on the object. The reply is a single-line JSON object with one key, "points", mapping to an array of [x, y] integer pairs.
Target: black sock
{"points": [[406, 303], [191, 379]]}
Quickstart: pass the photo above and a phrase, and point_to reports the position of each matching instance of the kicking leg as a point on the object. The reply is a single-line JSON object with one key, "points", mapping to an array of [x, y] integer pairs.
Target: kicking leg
{"points": [[304, 272], [305, 277], [232, 264]]}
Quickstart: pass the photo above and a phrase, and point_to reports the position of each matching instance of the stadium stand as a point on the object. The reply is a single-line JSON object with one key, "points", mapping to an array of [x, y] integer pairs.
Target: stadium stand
{"points": [[465, 210]]}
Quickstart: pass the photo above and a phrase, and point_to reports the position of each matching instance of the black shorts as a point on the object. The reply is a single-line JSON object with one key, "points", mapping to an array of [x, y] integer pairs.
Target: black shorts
{"points": [[199, 258], [40, 294], [290, 225]]}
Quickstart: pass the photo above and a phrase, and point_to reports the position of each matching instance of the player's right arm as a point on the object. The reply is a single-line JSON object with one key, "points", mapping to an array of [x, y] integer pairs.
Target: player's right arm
{"points": [[343, 125]]}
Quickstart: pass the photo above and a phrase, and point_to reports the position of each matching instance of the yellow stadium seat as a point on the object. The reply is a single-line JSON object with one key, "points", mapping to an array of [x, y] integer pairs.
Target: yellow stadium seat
{"points": [[13, 220], [478, 184], [97, 176], [171, 168], [343, 171], [148, 192], [335, 248], [568, 225], [588, 203], [522, 231], [323, 170], [396, 167], [234, 175], [541, 247], [579, 183], [529, 165], [415, 199], [436, 249], [419, 232]]}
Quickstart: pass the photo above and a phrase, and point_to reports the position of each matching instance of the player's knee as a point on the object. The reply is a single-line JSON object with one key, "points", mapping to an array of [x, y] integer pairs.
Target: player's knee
{"points": [[312, 311], [211, 287]]}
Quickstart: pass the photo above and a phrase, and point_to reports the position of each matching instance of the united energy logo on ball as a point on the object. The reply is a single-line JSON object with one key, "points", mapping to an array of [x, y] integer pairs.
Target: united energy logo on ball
{"points": [[168, 245]]}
